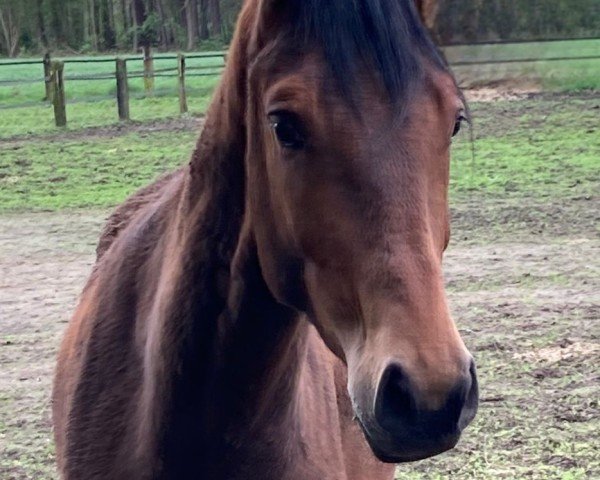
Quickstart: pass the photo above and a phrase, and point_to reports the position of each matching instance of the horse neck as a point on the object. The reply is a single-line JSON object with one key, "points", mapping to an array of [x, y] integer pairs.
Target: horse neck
{"points": [[256, 386], [230, 355], [225, 351], [262, 343]]}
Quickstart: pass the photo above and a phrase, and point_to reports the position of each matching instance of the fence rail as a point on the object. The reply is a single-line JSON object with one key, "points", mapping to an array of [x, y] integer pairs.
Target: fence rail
{"points": [[523, 60], [518, 41], [54, 77], [130, 58], [54, 80]]}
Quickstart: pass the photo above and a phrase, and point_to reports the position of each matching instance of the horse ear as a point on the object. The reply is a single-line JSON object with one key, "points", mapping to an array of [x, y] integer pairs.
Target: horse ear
{"points": [[269, 16], [428, 10], [271, 10], [266, 5]]}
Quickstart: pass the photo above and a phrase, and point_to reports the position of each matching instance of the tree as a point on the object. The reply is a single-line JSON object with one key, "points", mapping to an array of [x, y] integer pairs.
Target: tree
{"points": [[41, 25], [100, 25], [204, 33], [191, 16], [90, 24], [119, 22], [214, 12], [139, 16], [10, 28]]}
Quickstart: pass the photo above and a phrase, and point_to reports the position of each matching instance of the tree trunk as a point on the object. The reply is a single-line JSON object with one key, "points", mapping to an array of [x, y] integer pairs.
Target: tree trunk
{"points": [[10, 30], [203, 19], [118, 18], [70, 32], [472, 27], [138, 13], [102, 24], [108, 19], [165, 36], [57, 12], [43, 36], [86, 23], [214, 12], [191, 16], [126, 15], [107, 24], [93, 25]]}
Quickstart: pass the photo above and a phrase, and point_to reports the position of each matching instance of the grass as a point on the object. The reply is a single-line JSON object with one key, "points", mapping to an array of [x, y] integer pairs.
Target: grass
{"points": [[93, 103], [538, 417], [39, 119], [563, 75], [546, 149], [86, 173]]}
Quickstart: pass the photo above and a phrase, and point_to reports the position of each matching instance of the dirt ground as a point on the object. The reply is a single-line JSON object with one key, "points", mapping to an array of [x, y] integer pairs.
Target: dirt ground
{"points": [[529, 306], [44, 260]]}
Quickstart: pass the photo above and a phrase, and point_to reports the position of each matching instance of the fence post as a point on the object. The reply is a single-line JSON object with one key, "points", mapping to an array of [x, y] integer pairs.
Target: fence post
{"points": [[58, 93], [148, 69], [47, 74], [183, 106], [122, 89]]}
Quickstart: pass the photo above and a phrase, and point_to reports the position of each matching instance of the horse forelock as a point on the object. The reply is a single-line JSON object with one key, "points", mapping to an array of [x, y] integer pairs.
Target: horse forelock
{"points": [[385, 36]]}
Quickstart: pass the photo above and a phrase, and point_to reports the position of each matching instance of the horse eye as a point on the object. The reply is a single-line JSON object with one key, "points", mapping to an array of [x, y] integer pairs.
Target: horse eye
{"points": [[288, 130], [458, 124]]}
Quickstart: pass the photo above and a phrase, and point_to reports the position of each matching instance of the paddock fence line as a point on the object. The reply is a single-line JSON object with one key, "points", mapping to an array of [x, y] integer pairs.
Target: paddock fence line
{"points": [[517, 41], [54, 78]]}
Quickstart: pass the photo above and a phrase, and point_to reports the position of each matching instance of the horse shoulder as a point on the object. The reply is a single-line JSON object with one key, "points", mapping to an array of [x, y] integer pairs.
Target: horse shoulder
{"points": [[123, 215], [104, 331]]}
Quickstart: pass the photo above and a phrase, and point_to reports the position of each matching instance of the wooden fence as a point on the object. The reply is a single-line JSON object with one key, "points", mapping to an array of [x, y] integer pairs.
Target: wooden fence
{"points": [[54, 77], [55, 81]]}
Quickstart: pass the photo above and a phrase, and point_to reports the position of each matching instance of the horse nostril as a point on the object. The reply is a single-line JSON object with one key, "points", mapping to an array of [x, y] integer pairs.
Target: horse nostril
{"points": [[400, 409], [397, 403]]}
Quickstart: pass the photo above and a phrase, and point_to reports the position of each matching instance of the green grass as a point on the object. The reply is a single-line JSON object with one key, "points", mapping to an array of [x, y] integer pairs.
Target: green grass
{"points": [[541, 149], [93, 103], [564, 75], [93, 172], [537, 418], [39, 119]]}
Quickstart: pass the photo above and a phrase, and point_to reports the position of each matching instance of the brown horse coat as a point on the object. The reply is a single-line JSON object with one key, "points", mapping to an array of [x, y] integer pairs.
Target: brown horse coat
{"points": [[187, 357], [280, 436]]}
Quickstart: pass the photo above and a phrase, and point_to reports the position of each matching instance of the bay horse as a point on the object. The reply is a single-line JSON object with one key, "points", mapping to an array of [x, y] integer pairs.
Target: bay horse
{"points": [[275, 309]]}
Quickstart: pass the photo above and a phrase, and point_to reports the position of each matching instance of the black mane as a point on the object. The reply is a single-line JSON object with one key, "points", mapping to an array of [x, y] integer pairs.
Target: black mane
{"points": [[386, 35]]}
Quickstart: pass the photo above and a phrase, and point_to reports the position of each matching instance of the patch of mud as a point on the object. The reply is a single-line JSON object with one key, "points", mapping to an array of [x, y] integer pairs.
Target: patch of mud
{"points": [[515, 302], [175, 124], [565, 350], [487, 219], [494, 94]]}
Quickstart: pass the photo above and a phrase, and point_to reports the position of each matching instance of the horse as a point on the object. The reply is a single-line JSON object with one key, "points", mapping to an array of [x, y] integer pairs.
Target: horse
{"points": [[275, 309]]}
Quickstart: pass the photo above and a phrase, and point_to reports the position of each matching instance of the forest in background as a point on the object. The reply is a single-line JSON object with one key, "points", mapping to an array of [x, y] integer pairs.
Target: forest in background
{"points": [[94, 26], [90, 26]]}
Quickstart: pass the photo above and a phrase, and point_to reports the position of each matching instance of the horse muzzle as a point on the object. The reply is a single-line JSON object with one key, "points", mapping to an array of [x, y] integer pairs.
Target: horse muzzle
{"points": [[403, 428]]}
